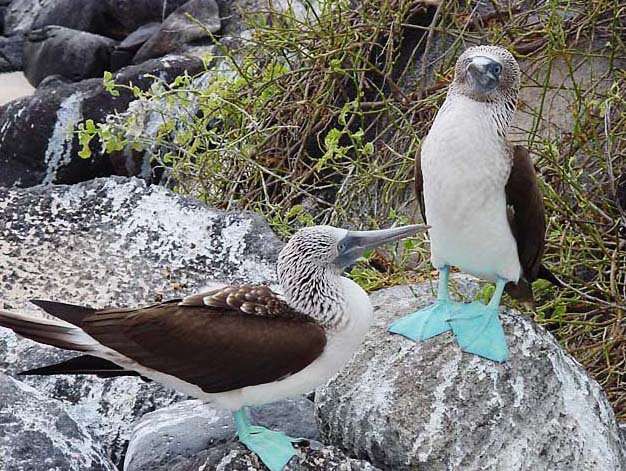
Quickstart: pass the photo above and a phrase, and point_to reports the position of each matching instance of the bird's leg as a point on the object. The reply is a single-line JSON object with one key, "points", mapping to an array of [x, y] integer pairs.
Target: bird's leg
{"points": [[478, 330], [275, 449], [432, 320]]}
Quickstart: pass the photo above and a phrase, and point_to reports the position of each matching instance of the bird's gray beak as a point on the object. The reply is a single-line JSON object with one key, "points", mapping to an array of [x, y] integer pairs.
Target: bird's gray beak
{"points": [[486, 72], [355, 243]]}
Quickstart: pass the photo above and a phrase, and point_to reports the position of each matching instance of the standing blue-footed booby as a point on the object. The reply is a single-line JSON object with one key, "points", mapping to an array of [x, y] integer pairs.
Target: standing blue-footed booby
{"points": [[480, 196], [236, 346]]}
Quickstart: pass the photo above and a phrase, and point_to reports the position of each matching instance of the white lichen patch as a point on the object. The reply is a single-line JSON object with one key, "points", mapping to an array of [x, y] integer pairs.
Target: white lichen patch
{"points": [[59, 150]]}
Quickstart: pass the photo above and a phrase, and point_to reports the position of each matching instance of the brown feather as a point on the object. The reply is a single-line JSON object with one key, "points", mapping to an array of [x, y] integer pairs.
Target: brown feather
{"points": [[527, 221], [246, 336], [419, 183]]}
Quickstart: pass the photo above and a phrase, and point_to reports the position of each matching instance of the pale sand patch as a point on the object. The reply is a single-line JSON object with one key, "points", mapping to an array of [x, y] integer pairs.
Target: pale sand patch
{"points": [[14, 85]]}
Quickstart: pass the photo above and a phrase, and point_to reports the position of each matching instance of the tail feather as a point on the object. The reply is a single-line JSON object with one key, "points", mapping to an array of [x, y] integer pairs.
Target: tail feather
{"points": [[67, 312], [47, 331], [84, 364], [545, 274]]}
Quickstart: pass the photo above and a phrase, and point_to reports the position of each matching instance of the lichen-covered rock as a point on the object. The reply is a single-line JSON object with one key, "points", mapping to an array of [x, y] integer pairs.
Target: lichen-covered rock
{"points": [[177, 434], [20, 14], [405, 405], [74, 55], [37, 139], [36, 433], [192, 21], [115, 242]]}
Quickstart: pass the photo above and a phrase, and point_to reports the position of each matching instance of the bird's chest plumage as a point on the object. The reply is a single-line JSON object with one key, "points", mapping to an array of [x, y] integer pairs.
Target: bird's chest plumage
{"points": [[465, 167]]}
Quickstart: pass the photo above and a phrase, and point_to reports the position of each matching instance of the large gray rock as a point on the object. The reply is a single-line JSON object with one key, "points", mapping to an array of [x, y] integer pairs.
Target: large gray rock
{"points": [[115, 242], [179, 433], [74, 55], [179, 29], [403, 405], [36, 433]]}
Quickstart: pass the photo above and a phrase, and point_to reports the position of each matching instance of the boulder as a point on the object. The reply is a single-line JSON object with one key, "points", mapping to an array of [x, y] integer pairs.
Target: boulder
{"points": [[74, 55], [112, 18], [37, 433], [115, 242], [177, 434], [131, 14], [37, 139], [11, 53], [125, 51], [20, 15], [178, 29], [404, 405]]}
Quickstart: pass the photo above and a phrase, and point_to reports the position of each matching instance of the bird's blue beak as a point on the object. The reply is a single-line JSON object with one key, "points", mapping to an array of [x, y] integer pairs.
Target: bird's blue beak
{"points": [[485, 72], [355, 243]]}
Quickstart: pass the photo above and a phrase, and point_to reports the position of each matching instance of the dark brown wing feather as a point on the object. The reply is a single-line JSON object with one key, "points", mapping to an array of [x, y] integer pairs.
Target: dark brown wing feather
{"points": [[419, 184], [220, 341], [527, 221]]}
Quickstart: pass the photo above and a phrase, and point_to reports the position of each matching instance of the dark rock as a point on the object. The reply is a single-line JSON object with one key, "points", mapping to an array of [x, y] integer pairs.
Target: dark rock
{"points": [[131, 14], [125, 51], [235, 457], [178, 30], [36, 433], [112, 18], [115, 242], [180, 432], [72, 54], [20, 14], [11, 53], [37, 143], [404, 405]]}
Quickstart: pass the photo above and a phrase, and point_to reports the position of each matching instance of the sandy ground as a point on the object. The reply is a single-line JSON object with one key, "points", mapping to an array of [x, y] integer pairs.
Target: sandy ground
{"points": [[13, 85]]}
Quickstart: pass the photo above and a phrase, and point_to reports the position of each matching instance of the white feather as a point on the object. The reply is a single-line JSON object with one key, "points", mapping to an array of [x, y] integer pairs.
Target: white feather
{"points": [[465, 168]]}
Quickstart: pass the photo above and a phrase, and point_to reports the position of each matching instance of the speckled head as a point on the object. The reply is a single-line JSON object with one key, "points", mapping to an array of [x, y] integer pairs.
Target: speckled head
{"points": [[311, 262], [487, 73]]}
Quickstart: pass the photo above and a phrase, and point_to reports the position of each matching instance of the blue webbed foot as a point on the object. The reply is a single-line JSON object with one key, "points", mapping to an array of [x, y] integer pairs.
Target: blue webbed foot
{"points": [[427, 322], [478, 330], [275, 449]]}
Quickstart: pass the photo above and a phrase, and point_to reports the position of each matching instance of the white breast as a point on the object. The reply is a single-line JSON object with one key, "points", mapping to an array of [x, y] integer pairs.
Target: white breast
{"points": [[465, 168]]}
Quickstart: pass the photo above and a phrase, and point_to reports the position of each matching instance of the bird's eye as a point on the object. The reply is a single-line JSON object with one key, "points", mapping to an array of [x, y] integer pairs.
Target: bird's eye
{"points": [[497, 68], [341, 247]]}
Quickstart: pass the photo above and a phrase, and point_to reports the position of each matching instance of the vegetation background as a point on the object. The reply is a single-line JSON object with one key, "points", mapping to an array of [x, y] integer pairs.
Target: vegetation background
{"points": [[314, 116]]}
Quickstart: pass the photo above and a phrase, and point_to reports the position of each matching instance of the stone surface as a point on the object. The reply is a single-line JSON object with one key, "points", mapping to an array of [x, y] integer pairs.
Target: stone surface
{"points": [[180, 432], [429, 406], [178, 29], [125, 51], [11, 53], [115, 242], [37, 139], [235, 457], [36, 433], [74, 55], [20, 15]]}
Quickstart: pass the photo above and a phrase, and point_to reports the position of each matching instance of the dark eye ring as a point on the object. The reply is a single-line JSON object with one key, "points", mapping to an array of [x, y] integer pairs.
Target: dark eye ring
{"points": [[497, 68]]}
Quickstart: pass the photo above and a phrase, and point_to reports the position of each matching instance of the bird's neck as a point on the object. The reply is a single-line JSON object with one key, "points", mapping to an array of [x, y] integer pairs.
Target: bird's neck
{"points": [[499, 111], [315, 292]]}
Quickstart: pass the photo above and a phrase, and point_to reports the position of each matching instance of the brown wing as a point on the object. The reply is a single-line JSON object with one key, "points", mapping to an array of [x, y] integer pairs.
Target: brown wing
{"points": [[527, 220], [419, 183], [220, 340]]}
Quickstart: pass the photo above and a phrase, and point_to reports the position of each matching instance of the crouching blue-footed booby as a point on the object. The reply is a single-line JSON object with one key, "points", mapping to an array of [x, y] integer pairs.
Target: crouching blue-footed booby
{"points": [[236, 346], [480, 196]]}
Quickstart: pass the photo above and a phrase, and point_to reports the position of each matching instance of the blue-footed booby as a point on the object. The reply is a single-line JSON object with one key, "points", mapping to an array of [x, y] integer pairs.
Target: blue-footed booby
{"points": [[480, 196], [235, 346]]}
